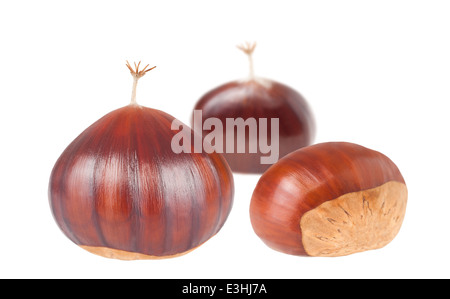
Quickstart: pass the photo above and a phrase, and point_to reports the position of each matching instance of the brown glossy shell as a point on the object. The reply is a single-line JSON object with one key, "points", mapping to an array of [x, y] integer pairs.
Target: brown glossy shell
{"points": [[119, 185], [307, 178], [260, 98]]}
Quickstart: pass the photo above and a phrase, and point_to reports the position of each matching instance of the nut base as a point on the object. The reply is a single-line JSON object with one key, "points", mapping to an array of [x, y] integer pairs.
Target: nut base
{"points": [[128, 255], [355, 222]]}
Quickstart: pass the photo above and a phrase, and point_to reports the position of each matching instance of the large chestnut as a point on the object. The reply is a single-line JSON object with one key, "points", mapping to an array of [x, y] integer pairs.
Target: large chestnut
{"points": [[119, 190], [329, 199], [249, 145]]}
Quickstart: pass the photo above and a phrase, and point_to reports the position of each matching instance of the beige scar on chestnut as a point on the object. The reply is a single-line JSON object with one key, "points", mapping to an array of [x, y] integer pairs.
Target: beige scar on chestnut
{"points": [[355, 222]]}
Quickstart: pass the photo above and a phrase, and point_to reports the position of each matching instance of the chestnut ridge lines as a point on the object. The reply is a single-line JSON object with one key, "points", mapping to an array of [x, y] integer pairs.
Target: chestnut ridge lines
{"points": [[213, 141], [115, 191]]}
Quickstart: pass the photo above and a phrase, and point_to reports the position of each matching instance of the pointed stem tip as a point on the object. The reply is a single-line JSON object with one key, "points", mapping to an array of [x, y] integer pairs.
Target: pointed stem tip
{"points": [[248, 49], [136, 73]]}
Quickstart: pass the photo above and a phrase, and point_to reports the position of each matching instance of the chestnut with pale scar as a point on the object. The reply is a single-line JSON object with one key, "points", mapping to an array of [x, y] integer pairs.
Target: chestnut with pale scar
{"points": [[329, 199]]}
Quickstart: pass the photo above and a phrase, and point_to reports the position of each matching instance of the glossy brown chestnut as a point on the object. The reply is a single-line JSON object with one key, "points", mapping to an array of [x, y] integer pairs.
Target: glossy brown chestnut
{"points": [[258, 98], [118, 190], [329, 199]]}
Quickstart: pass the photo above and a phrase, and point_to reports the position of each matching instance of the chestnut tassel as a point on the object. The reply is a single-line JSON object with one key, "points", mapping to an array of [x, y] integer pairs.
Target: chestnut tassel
{"points": [[119, 191]]}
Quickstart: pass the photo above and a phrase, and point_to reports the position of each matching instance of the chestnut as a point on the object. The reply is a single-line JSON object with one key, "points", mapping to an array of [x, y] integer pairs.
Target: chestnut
{"points": [[119, 190], [329, 199], [249, 101]]}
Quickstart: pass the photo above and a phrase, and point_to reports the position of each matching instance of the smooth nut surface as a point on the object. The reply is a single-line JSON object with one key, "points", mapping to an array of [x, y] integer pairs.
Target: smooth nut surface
{"points": [[259, 99], [355, 222]]}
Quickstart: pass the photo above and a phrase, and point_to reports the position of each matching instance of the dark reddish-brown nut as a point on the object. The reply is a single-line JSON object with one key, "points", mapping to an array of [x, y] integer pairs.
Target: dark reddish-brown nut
{"points": [[119, 191], [256, 98], [329, 199]]}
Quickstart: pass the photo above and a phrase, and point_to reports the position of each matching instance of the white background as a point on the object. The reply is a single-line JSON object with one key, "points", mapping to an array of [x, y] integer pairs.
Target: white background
{"points": [[375, 73]]}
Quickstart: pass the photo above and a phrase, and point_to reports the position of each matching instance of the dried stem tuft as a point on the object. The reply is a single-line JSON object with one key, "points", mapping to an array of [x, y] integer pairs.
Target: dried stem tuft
{"points": [[136, 73], [248, 49]]}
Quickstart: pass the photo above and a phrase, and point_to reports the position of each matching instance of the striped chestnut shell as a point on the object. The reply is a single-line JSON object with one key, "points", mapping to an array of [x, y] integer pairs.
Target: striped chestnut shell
{"points": [[119, 191]]}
